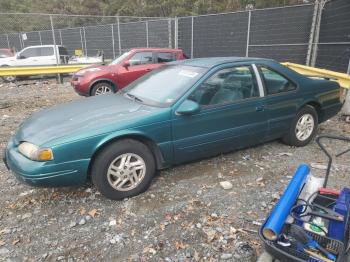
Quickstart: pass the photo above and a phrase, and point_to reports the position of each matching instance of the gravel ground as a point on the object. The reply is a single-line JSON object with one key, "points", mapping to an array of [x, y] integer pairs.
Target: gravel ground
{"points": [[186, 215]]}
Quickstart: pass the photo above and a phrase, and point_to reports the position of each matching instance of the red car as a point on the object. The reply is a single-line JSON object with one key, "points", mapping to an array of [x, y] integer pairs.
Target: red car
{"points": [[6, 52], [123, 70]]}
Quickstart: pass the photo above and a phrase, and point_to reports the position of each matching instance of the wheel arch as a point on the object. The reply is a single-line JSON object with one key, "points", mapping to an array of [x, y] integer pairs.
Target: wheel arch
{"points": [[151, 144], [102, 80], [317, 106]]}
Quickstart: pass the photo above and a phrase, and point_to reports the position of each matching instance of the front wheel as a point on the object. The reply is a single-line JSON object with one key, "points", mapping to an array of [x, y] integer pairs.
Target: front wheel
{"points": [[303, 128], [123, 169], [102, 88]]}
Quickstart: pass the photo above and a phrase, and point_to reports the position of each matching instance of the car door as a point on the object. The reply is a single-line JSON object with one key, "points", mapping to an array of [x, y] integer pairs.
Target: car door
{"points": [[28, 56], [231, 115], [281, 100], [47, 56], [139, 64]]}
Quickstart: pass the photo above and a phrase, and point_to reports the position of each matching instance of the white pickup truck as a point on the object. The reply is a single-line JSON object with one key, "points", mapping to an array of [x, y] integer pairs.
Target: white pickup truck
{"points": [[37, 55]]}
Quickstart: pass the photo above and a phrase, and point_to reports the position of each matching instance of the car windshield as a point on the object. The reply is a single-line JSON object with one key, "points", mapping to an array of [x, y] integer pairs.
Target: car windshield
{"points": [[119, 58], [163, 86]]}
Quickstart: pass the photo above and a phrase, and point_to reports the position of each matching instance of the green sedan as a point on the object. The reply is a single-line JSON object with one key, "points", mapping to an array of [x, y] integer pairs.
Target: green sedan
{"points": [[181, 112]]}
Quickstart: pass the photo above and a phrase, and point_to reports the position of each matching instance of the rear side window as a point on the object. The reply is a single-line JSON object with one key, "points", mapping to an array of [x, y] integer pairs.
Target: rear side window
{"points": [[165, 57], [274, 82], [46, 51], [30, 52], [141, 58]]}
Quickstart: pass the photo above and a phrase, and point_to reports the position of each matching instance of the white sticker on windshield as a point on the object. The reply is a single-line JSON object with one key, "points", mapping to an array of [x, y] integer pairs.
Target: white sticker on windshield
{"points": [[169, 100], [187, 73]]}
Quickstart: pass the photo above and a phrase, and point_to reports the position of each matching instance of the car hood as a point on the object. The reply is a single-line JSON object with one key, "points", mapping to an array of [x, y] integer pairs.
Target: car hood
{"points": [[85, 117], [94, 69], [7, 60]]}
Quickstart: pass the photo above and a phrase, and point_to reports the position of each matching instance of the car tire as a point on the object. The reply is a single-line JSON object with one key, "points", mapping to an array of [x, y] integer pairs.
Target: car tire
{"points": [[303, 127], [120, 164], [102, 88], [8, 79]]}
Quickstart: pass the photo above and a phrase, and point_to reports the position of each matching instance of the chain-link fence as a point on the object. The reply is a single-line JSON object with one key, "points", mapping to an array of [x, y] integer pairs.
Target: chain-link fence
{"points": [[333, 46], [280, 33], [91, 34], [314, 34]]}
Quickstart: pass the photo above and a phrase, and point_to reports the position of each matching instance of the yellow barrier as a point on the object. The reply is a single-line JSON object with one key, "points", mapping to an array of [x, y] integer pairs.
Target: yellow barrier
{"points": [[342, 79], [39, 70]]}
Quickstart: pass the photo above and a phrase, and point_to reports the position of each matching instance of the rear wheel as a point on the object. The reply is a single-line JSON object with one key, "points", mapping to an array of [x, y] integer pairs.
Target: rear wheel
{"points": [[123, 169], [8, 79], [303, 128], [102, 88]]}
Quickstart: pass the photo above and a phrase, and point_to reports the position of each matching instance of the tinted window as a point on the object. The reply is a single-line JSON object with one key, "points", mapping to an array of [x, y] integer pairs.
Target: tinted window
{"points": [[275, 83], [30, 52], [46, 51], [119, 59], [62, 50], [165, 57], [227, 86], [163, 86], [141, 58]]}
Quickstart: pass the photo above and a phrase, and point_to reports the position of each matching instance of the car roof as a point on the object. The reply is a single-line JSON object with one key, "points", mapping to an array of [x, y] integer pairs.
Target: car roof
{"points": [[44, 46], [214, 61], [156, 49]]}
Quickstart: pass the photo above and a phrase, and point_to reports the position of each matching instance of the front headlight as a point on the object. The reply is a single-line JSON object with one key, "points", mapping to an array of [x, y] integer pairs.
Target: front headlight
{"points": [[33, 152]]}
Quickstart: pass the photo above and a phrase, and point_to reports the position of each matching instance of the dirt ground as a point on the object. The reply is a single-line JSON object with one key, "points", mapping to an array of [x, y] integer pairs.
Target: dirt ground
{"points": [[186, 215]]}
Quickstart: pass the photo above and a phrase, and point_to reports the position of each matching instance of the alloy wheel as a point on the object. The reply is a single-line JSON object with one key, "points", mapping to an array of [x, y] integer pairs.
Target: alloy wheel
{"points": [[304, 127], [103, 90], [126, 172]]}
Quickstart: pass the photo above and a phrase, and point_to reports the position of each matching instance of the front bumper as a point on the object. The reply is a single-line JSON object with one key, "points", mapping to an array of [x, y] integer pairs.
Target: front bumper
{"points": [[79, 86], [47, 174]]}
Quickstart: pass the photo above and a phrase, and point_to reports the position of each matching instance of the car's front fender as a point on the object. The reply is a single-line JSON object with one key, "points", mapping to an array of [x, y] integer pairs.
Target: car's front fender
{"points": [[163, 152]]}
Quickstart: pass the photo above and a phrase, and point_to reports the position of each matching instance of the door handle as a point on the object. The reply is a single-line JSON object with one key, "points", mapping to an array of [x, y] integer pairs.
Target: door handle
{"points": [[148, 69], [260, 108]]}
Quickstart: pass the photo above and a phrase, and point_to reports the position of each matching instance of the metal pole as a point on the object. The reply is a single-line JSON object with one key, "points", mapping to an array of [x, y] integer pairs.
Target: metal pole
{"points": [[119, 42], [60, 32], [317, 32], [312, 34], [248, 33], [192, 22], [41, 42], [59, 79], [147, 41], [169, 33], [348, 71], [54, 40], [81, 40], [86, 53], [113, 44], [176, 26], [20, 40], [8, 42]]}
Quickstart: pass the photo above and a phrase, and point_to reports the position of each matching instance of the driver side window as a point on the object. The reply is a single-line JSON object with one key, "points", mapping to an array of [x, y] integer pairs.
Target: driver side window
{"points": [[141, 58], [227, 86], [275, 83], [30, 52]]}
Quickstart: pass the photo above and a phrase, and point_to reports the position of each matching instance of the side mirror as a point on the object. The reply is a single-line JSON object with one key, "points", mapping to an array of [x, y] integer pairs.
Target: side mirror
{"points": [[188, 107], [126, 64], [21, 56]]}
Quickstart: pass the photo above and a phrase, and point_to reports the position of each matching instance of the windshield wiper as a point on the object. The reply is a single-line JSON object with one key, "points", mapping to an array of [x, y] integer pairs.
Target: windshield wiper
{"points": [[135, 98]]}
